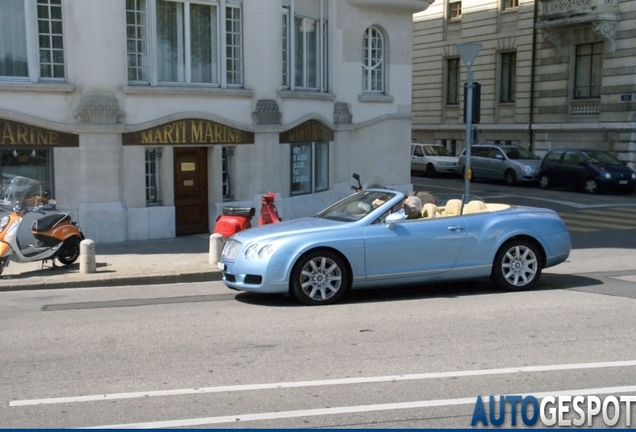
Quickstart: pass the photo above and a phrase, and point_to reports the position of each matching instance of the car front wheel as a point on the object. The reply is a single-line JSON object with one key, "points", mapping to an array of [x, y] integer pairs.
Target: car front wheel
{"points": [[510, 178], [319, 277], [517, 265], [430, 170], [590, 186]]}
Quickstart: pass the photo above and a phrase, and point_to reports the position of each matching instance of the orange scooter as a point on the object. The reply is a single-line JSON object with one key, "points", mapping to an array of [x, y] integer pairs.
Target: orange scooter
{"points": [[57, 235]]}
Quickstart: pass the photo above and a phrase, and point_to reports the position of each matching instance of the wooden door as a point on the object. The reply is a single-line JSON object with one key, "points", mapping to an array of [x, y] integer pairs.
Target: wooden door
{"points": [[191, 190]]}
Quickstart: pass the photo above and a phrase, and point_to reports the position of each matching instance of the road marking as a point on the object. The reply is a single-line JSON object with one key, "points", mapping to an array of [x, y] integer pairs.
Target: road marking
{"points": [[591, 221], [341, 381], [351, 409]]}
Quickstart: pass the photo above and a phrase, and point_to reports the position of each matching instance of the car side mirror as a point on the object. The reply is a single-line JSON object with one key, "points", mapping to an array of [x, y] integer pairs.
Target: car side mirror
{"points": [[393, 218]]}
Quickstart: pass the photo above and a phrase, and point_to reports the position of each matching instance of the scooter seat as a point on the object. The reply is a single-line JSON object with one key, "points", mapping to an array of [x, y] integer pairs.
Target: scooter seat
{"points": [[48, 222]]}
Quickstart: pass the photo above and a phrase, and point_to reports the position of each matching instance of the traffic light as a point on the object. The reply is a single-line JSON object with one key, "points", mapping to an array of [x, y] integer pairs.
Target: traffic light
{"points": [[476, 101]]}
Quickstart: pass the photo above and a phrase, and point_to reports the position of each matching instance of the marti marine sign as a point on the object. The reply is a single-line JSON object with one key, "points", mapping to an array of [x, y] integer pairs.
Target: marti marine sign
{"points": [[189, 131], [19, 134]]}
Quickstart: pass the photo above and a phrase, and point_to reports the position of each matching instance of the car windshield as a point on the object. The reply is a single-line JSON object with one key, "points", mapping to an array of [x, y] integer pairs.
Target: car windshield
{"points": [[436, 151], [601, 158], [356, 206], [520, 154]]}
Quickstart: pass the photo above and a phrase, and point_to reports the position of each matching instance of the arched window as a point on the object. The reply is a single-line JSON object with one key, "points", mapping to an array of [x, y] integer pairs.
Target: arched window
{"points": [[373, 61]]}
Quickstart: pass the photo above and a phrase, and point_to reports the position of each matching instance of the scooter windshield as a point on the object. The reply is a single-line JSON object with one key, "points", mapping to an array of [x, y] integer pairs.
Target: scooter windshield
{"points": [[22, 190]]}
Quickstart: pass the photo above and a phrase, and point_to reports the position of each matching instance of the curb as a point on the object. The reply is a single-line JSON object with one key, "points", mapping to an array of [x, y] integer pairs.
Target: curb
{"points": [[113, 281]]}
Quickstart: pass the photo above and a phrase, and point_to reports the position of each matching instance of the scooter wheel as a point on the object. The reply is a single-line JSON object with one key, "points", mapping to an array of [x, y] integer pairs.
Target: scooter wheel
{"points": [[69, 252], [3, 263]]}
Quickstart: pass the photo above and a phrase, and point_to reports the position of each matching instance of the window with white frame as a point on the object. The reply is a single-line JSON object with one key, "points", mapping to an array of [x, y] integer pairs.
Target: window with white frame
{"points": [[588, 70], [40, 21], [454, 9], [305, 42], [309, 167], [508, 77], [452, 81], [153, 156], [510, 4], [373, 61], [195, 42]]}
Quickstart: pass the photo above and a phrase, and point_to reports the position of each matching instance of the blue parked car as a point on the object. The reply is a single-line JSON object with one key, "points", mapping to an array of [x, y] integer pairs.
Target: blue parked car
{"points": [[588, 170], [366, 240]]}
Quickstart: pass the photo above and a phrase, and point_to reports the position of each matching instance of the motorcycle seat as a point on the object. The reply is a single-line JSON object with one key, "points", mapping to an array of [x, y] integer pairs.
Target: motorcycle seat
{"points": [[47, 222]]}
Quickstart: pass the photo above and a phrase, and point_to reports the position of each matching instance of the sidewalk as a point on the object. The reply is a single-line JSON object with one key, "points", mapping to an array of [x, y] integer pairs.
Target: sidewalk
{"points": [[180, 259]]}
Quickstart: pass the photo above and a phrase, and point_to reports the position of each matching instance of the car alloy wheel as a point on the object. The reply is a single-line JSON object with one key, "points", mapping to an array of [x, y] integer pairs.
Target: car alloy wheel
{"points": [[590, 186], [544, 182], [510, 178], [319, 277], [517, 265]]}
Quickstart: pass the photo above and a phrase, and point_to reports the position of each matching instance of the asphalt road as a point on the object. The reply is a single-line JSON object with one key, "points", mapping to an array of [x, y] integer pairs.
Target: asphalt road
{"points": [[201, 355]]}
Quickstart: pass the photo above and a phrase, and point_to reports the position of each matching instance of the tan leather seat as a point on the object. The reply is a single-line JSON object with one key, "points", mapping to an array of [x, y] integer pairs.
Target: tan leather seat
{"points": [[430, 211], [453, 207], [475, 206]]}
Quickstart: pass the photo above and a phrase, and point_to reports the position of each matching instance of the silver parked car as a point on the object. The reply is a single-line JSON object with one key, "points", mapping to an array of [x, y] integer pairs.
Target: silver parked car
{"points": [[509, 163], [432, 159]]}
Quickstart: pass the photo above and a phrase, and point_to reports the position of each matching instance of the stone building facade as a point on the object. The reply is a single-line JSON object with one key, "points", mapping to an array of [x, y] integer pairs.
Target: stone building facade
{"points": [[553, 73], [145, 117]]}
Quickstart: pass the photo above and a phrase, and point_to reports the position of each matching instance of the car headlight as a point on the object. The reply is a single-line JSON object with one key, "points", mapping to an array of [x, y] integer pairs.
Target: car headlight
{"points": [[266, 251], [259, 250], [3, 223], [607, 175], [527, 168], [250, 252], [633, 176]]}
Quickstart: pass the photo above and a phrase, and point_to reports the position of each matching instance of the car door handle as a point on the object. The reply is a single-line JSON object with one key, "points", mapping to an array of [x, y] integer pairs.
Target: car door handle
{"points": [[455, 228]]}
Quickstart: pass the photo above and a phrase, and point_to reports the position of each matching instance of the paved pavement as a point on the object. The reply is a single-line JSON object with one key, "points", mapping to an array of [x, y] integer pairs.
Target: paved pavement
{"points": [[187, 259], [181, 259]]}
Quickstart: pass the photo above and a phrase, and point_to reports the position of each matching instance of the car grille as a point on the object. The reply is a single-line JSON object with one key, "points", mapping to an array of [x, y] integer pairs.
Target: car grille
{"points": [[231, 249]]}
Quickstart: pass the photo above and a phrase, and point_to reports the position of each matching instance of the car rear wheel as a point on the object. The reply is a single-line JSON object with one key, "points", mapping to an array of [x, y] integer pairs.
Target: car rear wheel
{"points": [[320, 277], [430, 170], [517, 265], [510, 178], [590, 186], [544, 182]]}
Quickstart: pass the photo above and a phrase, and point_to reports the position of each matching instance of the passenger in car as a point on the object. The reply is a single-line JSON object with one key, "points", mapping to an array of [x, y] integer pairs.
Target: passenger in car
{"points": [[412, 207]]}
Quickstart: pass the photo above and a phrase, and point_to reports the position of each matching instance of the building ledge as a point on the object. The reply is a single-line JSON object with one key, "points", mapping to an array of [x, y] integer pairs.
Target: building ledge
{"points": [[189, 90], [375, 98], [38, 87], [410, 6], [303, 94]]}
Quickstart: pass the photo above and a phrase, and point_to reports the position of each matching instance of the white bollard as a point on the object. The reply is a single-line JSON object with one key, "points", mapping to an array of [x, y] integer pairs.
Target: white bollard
{"points": [[216, 248], [87, 263]]}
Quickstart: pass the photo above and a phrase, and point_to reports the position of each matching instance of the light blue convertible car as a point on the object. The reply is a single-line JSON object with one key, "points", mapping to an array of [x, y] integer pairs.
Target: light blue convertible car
{"points": [[366, 241]]}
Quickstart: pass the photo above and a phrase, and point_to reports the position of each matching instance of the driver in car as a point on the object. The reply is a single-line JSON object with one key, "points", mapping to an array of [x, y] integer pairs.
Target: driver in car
{"points": [[412, 207]]}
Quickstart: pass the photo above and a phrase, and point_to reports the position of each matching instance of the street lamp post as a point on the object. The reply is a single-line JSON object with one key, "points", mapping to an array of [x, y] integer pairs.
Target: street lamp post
{"points": [[468, 52]]}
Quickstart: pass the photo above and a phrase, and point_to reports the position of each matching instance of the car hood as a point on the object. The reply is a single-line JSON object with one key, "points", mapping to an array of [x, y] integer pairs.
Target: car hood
{"points": [[534, 163], [615, 168], [443, 158], [272, 231]]}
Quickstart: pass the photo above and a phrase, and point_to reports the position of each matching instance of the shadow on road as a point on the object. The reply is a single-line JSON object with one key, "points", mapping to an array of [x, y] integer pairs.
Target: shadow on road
{"points": [[419, 292]]}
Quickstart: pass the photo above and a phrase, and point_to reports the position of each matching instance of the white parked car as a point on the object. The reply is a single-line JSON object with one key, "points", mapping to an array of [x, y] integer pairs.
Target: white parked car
{"points": [[433, 159]]}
